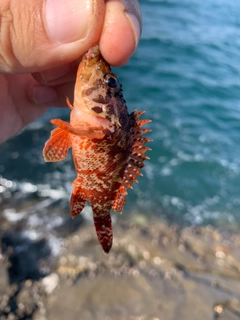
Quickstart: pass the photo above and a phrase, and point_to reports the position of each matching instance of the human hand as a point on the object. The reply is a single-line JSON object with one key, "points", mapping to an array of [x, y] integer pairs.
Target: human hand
{"points": [[41, 43]]}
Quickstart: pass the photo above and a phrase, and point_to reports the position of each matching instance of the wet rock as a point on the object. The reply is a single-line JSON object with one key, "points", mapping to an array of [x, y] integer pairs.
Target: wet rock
{"points": [[25, 256], [229, 309], [26, 301], [152, 272]]}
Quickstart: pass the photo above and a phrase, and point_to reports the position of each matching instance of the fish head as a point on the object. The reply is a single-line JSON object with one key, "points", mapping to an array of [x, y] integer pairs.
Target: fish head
{"points": [[98, 92]]}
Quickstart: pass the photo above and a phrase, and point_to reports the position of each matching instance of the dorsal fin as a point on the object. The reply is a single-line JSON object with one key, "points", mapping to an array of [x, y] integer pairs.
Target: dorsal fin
{"points": [[134, 162]]}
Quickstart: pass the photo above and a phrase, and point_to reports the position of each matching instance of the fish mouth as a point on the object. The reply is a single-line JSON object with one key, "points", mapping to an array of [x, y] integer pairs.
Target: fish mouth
{"points": [[94, 59], [93, 55]]}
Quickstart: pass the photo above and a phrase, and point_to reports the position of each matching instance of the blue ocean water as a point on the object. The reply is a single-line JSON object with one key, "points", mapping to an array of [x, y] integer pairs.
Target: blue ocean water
{"points": [[186, 75]]}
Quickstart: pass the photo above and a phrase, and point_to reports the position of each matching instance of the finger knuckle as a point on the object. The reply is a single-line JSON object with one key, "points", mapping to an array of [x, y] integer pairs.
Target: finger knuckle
{"points": [[18, 23], [6, 49]]}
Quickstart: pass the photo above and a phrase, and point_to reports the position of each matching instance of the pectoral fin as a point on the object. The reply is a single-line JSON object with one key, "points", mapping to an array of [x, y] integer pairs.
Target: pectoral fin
{"points": [[84, 129], [56, 148]]}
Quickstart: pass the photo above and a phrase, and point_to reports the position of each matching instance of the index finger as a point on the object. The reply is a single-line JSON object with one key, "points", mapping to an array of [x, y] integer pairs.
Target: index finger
{"points": [[121, 31]]}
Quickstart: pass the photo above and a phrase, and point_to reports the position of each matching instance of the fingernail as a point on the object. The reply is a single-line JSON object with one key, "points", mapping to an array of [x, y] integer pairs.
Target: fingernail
{"points": [[67, 20], [42, 95], [135, 26]]}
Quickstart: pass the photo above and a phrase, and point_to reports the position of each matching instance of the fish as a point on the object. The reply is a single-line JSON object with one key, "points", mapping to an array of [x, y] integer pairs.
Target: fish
{"points": [[108, 143]]}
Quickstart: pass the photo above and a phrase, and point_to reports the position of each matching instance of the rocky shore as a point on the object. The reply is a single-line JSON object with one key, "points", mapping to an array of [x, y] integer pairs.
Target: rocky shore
{"points": [[153, 272]]}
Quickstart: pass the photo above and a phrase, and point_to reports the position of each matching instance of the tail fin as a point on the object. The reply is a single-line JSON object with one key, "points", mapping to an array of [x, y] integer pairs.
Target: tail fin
{"points": [[103, 226]]}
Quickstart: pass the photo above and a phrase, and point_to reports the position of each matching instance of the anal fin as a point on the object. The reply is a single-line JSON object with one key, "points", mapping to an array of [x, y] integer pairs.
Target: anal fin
{"points": [[56, 147]]}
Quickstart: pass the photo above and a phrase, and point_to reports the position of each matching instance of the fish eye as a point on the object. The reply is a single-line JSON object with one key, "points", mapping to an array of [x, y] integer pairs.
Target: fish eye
{"points": [[112, 82]]}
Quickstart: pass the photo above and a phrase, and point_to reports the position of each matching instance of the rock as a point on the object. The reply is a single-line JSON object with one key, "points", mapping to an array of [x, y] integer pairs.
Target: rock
{"points": [[152, 272], [50, 283]]}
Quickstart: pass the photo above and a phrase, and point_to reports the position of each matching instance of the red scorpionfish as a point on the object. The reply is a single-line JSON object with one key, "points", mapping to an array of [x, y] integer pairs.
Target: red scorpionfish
{"points": [[107, 143]]}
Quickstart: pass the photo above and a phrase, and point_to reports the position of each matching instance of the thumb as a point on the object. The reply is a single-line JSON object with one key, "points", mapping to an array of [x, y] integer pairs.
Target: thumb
{"points": [[37, 35]]}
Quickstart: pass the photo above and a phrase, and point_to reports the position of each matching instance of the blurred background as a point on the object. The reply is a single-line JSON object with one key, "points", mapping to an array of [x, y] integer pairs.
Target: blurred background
{"points": [[186, 75]]}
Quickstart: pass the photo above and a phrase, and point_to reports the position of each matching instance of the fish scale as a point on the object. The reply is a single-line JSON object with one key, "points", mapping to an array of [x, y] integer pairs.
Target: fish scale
{"points": [[108, 146]]}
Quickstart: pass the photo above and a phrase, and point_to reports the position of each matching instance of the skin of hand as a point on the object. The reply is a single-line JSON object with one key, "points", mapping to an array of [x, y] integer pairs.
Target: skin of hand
{"points": [[41, 44]]}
